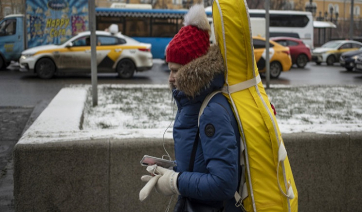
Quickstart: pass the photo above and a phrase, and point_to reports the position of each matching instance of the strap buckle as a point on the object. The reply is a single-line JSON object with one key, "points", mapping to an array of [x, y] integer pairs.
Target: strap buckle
{"points": [[239, 202]]}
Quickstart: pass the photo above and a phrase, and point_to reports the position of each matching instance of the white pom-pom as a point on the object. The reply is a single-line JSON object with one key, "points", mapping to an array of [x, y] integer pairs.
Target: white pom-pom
{"points": [[196, 16]]}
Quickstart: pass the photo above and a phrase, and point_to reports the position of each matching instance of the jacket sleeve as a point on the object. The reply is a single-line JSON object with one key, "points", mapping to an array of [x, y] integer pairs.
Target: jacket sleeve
{"points": [[221, 155]]}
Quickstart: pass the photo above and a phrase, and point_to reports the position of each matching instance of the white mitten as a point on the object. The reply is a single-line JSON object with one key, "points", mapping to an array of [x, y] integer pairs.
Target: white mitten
{"points": [[151, 182], [167, 183]]}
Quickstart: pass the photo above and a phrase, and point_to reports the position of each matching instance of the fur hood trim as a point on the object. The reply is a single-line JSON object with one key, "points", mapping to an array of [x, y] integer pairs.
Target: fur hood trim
{"points": [[197, 75]]}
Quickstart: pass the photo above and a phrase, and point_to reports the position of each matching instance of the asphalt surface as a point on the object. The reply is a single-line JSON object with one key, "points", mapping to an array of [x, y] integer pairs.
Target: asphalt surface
{"points": [[14, 121], [12, 124]]}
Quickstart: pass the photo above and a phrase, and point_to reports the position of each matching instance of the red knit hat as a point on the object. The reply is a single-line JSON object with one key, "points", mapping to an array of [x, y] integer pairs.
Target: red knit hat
{"points": [[192, 41]]}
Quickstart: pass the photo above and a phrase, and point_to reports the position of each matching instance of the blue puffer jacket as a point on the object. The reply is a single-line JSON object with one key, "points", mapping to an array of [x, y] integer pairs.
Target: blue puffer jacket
{"points": [[216, 172]]}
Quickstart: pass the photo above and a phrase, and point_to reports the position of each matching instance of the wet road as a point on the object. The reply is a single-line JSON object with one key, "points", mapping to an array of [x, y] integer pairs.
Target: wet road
{"points": [[22, 89], [314, 74]]}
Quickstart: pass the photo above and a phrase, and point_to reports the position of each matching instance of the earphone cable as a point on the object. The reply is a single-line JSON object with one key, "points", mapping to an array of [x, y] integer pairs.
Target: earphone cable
{"points": [[163, 137]]}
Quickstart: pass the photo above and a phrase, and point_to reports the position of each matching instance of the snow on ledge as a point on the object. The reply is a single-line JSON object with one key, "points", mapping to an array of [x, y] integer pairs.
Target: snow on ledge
{"points": [[321, 109], [63, 114]]}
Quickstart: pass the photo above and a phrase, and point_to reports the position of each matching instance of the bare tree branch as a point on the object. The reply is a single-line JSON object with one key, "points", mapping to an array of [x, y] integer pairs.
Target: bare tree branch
{"points": [[299, 5], [255, 4], [1, 11]]}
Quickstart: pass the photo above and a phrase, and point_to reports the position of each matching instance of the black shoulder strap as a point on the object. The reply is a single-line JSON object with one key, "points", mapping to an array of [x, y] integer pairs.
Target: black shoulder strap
{"points": [[193, 153]]}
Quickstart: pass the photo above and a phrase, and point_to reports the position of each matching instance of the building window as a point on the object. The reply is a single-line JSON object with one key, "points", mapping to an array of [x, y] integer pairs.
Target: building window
{"points": [[336, 8], [7, 11], [356, 11], [176, 2], [291, 4]]}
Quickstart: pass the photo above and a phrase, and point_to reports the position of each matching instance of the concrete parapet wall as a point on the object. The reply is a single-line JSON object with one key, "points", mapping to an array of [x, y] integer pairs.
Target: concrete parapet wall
{"points": [[104, 174], [85, 175], [54, 170], [327, 170]]}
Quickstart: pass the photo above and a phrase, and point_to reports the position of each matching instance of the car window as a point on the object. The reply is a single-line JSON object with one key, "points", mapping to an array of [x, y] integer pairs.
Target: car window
{"points": [[331, 44], [346, 46], [356, 45], [292, 43], [284, 34], [110, 40], [260, 44], [122, 41], [8, 27], [82, 41], [282, 42]]}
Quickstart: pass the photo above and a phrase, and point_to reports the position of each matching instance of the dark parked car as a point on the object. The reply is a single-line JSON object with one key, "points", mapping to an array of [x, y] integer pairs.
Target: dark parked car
{"points": [[299, 52], [347, 59], [358, 63]]}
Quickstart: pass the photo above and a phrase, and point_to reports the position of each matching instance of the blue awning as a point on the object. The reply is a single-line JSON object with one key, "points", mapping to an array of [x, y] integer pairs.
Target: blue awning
{"points": [[140, 13], [156, 13]]}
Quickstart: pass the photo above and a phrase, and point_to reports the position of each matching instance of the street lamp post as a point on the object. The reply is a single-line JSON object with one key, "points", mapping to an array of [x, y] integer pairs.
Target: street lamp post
{"points": [[325, 15], [320, 18], [331, 13], [331, 19], [311, 7], [351, 22]]}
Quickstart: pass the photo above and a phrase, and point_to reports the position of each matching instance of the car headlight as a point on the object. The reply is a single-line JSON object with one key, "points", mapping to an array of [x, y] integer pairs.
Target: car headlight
{"points": [[318, 53], [355, 57], [24, 56]]}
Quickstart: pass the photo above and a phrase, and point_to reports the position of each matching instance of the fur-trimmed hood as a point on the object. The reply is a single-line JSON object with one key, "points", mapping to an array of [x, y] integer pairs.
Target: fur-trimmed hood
{"points": [[199, 74]]}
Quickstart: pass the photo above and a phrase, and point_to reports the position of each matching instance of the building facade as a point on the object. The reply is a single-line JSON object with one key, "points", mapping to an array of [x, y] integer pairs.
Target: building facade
{"points": [[156, 4], [18, 6], [11, 7], [336, 11]]}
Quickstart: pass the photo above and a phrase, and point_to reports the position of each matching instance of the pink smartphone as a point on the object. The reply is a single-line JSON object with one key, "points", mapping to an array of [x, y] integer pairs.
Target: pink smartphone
{"points": [[149, 160]]}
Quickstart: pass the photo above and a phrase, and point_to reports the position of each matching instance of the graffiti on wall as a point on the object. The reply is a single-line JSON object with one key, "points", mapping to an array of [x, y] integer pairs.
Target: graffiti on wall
{"points": [[55, 21]]}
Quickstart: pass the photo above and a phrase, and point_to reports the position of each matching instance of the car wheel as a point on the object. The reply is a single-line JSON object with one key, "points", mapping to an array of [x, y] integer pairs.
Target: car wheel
{"points": [[330, 60], [302, 60], [45, 68], [275, 69], [125, 68], [2, 63], [349, 69]]}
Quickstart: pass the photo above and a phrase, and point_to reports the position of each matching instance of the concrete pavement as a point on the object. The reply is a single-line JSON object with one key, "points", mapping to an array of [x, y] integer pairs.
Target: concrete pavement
{"points": [[13, 123]]}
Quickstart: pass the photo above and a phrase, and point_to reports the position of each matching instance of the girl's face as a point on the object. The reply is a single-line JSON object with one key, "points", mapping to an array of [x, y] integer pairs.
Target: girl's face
{"points": [[174, 67]]}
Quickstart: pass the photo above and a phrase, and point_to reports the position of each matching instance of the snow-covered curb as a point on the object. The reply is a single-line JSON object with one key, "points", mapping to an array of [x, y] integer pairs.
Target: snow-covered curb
{"points": [[147, 111]]}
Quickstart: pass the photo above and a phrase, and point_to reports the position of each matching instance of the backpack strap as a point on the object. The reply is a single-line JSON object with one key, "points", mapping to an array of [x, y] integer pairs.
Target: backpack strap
{"points": [[243, 191], [242, 85], [194, 147], [193, 152], [204, 104]]}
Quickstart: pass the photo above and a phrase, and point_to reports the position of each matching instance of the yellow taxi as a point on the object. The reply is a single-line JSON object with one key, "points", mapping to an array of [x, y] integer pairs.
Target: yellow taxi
{"points": [[279, 57], [116, 53]]}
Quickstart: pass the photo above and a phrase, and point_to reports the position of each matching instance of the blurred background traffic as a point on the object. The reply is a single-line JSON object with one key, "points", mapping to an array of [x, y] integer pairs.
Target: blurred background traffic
{"points": [[51, 38]]}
